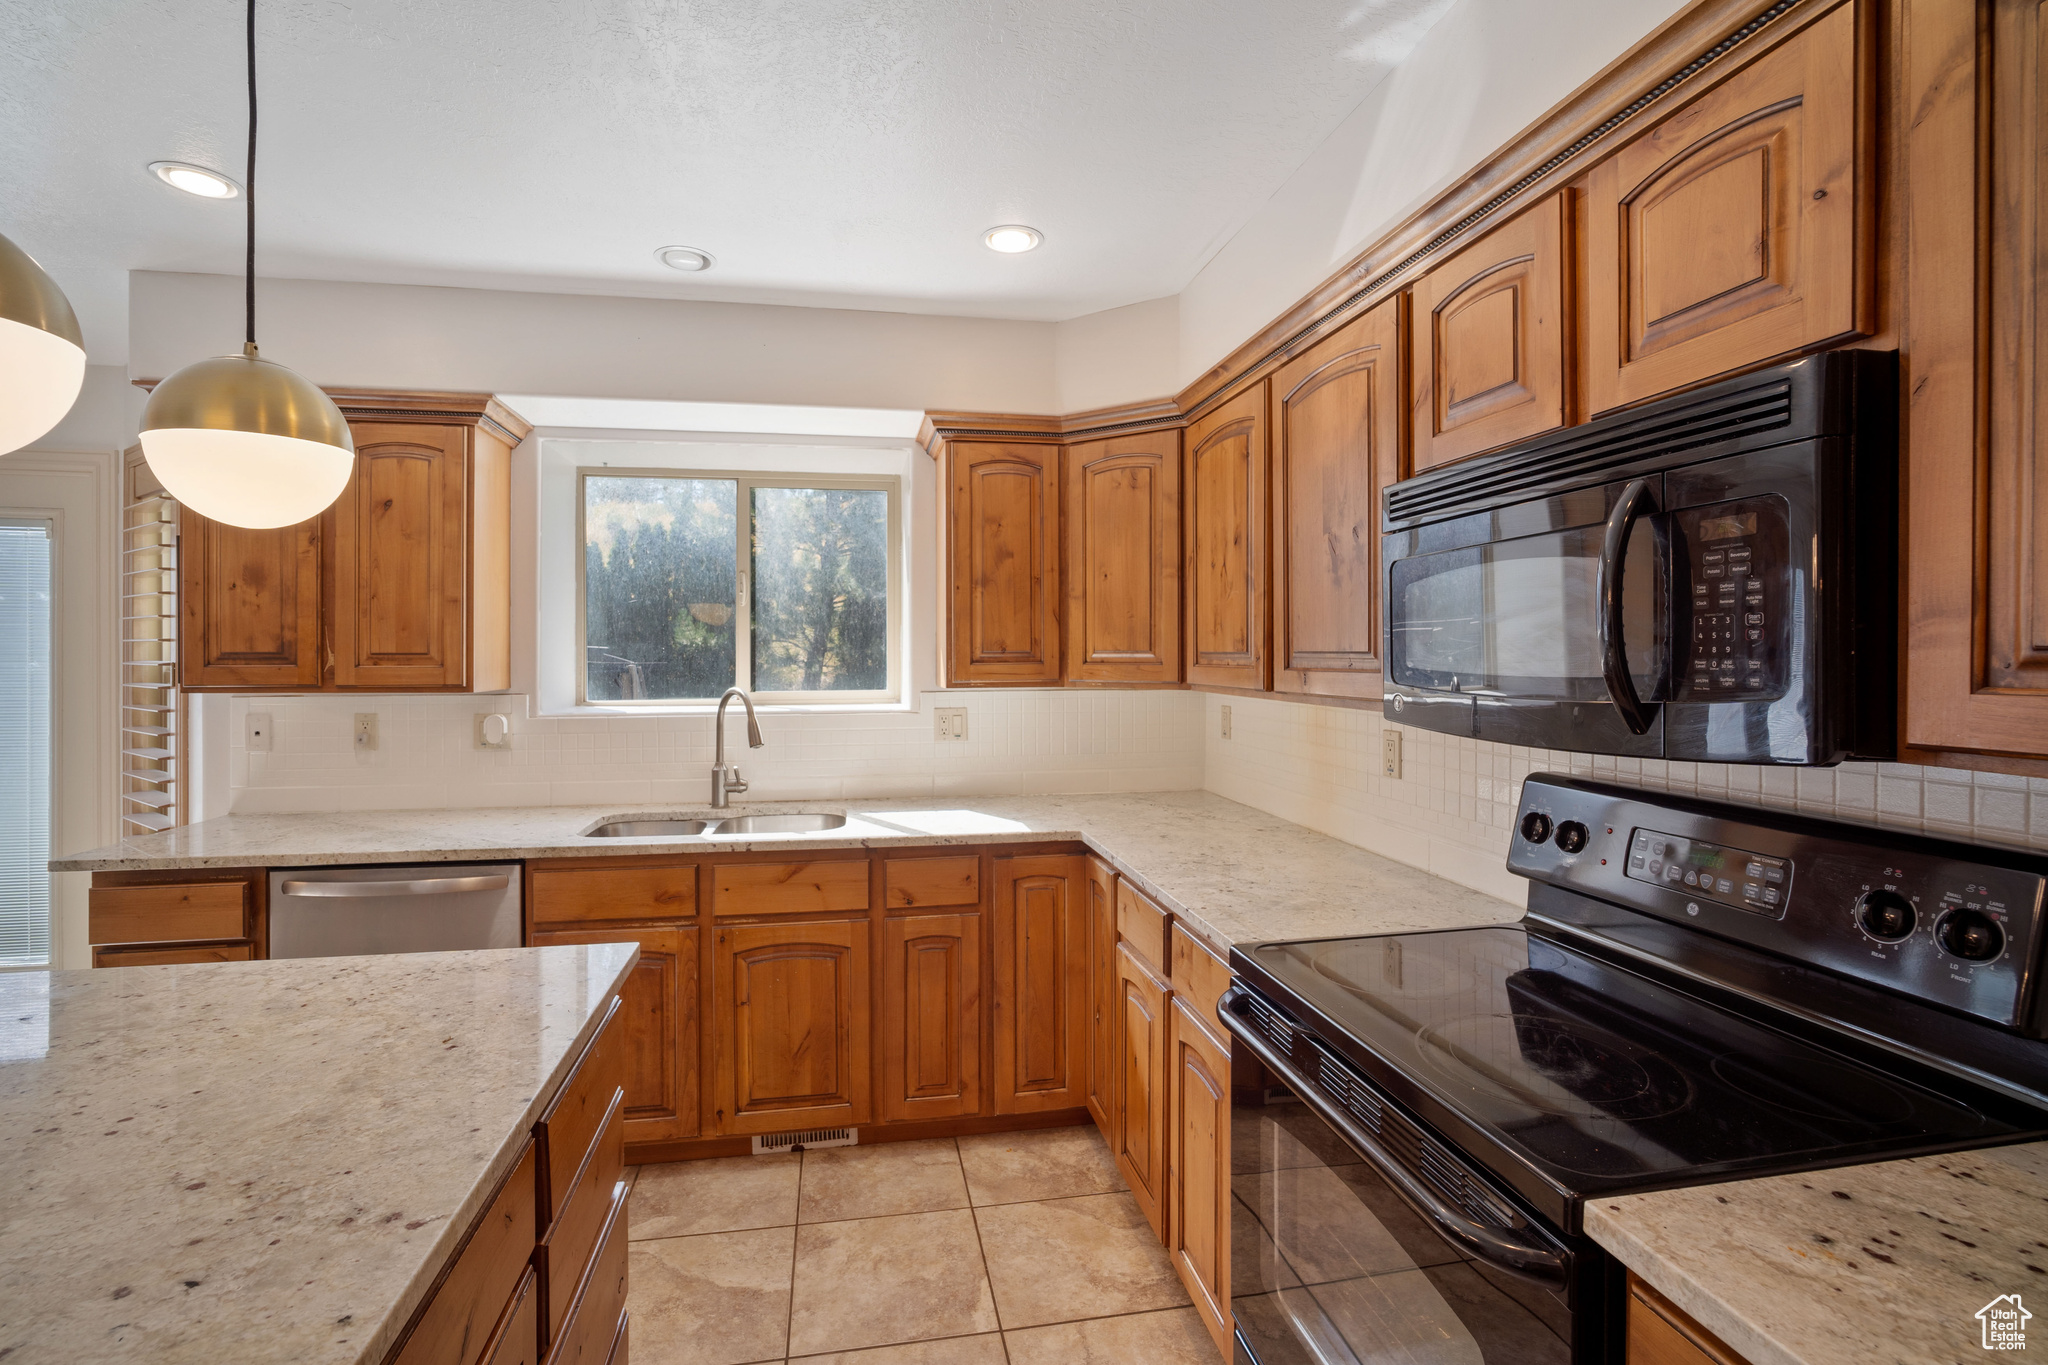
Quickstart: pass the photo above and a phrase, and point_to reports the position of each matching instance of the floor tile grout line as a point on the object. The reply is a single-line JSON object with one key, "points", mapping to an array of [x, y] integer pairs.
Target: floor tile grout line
{"points": [[795, 1237], [974, 1216]]}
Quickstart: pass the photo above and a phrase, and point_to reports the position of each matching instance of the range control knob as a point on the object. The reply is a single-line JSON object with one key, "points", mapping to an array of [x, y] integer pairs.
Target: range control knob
{"points": [[1535, 827], [1970, 935], [1886, 916], [1571, 836]]}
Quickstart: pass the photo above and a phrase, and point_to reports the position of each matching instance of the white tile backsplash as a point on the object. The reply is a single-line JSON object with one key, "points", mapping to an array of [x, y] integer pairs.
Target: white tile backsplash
{"points": [[1018, 742], [1453, 808]]}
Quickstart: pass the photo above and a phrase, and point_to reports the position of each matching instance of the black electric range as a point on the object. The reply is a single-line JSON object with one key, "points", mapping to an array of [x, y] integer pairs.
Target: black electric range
{"points": [[1699, 993]]}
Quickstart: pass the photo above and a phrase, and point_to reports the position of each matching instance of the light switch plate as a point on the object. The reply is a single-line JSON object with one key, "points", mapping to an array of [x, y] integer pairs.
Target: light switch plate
{"points": [[493, 730], [952, 721], [366, 731], [256, 733], [1390, 753], [1226, 721]]}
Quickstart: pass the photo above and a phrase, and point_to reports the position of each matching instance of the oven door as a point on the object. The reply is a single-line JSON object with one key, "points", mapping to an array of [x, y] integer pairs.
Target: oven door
{"points": [[1357, 1238]]}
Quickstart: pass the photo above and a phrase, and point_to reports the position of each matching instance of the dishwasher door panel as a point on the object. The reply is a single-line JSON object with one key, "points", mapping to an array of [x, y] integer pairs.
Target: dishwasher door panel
{"points": [[348, 911]]}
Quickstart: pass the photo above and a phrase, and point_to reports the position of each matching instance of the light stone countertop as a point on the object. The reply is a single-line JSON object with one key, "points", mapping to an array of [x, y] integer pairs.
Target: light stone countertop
{"points": [[1884, 1264], [1235, 873], [237, 1162]]}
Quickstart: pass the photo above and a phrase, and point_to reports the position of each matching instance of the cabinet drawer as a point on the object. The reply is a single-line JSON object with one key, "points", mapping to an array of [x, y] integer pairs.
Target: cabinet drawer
{"points": [[518, 1340], [169, 913], [572, 1237], [916, 883], [790, 888], [572, 1123], [472, 1299], [1141, 924], [570, 895], [1662, 1333], [592, 1326], [161, 957], [1200, 977]]}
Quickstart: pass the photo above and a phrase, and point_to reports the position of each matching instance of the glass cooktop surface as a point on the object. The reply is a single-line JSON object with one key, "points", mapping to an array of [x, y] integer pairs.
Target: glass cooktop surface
{"points": [[1600, 1078]]}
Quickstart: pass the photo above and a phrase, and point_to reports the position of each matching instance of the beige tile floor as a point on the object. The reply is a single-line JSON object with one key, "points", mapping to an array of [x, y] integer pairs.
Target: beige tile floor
{"points": [[1005, 1249]]}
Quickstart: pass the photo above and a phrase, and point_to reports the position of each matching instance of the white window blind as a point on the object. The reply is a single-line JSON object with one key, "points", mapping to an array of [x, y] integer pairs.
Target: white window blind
{"points": [[153, 796], [24, 742]]}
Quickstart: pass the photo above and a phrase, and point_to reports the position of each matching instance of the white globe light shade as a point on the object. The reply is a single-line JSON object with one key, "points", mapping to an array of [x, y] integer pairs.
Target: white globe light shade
{"points": [[42, 352], [243, 441]]}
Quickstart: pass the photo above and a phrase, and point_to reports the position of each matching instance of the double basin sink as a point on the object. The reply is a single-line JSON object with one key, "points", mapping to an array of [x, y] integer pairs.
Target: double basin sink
{"points": [[790, 822]]}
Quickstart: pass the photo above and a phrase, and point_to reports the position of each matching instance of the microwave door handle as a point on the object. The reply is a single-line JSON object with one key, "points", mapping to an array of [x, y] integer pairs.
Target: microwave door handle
{"points": [[1637, 714], [1529, 1257]]}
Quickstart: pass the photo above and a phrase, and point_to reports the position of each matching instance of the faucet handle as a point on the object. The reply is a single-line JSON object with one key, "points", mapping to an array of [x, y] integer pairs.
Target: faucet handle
{"points": [[733, 781]]}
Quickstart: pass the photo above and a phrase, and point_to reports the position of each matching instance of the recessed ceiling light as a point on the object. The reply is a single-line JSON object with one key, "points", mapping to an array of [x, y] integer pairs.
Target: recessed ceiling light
{"points": [[195, 180], [684, 258], [1012, 238]]}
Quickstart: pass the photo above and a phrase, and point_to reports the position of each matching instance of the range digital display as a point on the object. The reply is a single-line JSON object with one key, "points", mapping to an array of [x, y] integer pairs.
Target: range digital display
{"points": [[1755, 882]]}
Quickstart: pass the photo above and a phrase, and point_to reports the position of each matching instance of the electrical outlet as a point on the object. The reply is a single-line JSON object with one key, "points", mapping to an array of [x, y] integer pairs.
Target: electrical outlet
{"points": [[366, 731], [1226, 720], [1390, 753], [952, 721], [493, 730], [256, 733]]}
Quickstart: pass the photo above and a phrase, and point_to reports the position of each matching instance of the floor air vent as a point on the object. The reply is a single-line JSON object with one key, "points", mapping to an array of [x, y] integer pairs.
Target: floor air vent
{"points": [[810, 1137]]}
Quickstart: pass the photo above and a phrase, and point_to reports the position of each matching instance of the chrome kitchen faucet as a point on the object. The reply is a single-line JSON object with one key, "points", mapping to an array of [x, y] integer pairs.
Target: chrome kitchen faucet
{"points": [[724, 781]]}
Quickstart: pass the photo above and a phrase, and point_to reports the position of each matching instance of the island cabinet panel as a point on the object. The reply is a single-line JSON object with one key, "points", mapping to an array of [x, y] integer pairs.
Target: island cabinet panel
{"points": [[1041, 984], [572, 1124], [1198, 1213], [565, 1252], [1337, 415], [1661, 1333], [1737, 229], [790, 1026], [1003, 536], [457, 1322], [568, 895], [400, 572], [596, 1320], [658, 1026], [1224, 502], [1138, 1138], [518, 1338], [249, 612], [1102, 994], [1490, 329], [928, 1024], [1123, 559]]}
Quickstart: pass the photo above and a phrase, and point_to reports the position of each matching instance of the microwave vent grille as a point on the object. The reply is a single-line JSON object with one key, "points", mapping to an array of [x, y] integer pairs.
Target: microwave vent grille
{"points": [[1592, 455], [1408, 1144]]}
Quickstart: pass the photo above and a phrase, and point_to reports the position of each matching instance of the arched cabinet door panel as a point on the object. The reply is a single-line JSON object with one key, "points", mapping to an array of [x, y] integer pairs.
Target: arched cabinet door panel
{"points": [[400, 572], [1337, 411], [790, 1017], [1491, 339], [1737, 229], [1224, 499], [1123, 559], [1003, 537]]}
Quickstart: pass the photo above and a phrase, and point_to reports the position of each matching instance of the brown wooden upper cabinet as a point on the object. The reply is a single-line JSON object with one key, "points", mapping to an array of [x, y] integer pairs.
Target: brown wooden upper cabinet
{"points": [[1491, 339], [1123, 559], [1041, 983], [1003, 538], [1337, 412], [1224, 507], [404, 585], [1737, 229]]}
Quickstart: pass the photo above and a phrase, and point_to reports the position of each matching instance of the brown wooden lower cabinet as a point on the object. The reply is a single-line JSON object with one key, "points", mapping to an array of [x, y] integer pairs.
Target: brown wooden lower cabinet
{"points": [[1662, 1333], [1198, 1208], [1102, 993], [1041, 984], [145, 919], [928, 1021], [660, 1023], [182, 953], [1138, 1132], [789, 1026]]}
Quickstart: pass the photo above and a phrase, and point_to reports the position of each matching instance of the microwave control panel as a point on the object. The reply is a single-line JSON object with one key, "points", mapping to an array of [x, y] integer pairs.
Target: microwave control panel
{"points": [[1734, 581]]}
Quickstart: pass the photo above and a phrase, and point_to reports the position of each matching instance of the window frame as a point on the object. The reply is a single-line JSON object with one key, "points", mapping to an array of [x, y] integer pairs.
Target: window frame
{"points": [[743, 606]]}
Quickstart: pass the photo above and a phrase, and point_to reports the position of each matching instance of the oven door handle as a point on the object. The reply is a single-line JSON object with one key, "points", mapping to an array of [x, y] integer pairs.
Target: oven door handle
{"points": [[1530, 1258], [1637, 714]]}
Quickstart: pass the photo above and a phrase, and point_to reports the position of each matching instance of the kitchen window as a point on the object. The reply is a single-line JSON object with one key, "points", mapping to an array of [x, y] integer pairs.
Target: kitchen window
{"points": [[789, 586]]}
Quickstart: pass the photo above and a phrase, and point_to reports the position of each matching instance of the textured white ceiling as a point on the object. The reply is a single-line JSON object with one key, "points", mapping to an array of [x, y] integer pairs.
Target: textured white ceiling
{"points": [[841, 152]]}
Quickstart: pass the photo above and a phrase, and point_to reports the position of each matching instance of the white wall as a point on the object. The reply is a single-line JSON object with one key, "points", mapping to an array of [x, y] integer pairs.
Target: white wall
{"points": [[1120, 355], [1482, 73]]}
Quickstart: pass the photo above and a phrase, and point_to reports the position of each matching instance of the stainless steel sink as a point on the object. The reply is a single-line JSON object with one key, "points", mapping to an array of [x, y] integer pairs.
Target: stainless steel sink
{"points": [[644, 829], [795, 822]]}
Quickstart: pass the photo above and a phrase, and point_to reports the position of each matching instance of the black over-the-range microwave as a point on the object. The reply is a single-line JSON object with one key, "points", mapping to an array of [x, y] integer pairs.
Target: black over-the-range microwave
{"points": [[1709, 577]]}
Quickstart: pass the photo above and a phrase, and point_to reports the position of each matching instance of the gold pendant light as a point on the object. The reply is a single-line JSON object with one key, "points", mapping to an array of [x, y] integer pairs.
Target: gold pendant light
{"points": [[240, 439], [42, 353]]}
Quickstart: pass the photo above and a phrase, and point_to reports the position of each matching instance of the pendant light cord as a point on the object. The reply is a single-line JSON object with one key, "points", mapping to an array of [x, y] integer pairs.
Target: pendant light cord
{"points": [[249, 193]]}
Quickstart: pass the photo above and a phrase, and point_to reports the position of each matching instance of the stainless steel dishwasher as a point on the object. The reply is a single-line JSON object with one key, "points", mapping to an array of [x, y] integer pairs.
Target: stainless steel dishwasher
{"points": [[345, 911]]}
